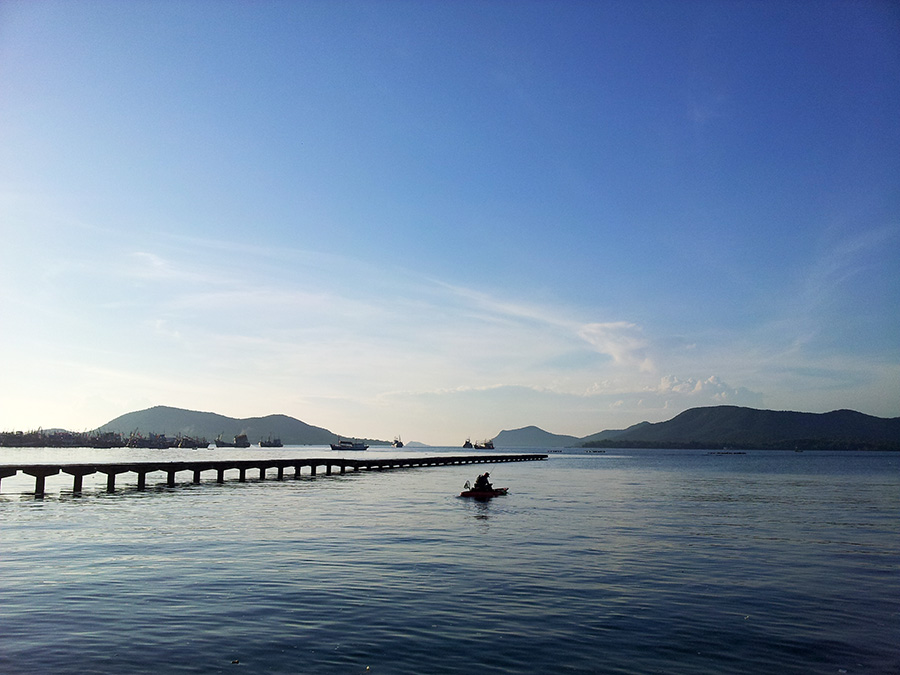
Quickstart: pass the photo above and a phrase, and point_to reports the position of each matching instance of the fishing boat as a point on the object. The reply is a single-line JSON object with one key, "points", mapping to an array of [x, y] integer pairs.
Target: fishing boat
{"points": [[240, 441], [349, 445], [153, 441], [485, 445], [397, 443], [192, 442], [468, 443]]}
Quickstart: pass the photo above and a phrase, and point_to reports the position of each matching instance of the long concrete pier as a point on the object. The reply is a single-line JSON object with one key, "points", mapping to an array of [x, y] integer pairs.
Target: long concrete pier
{"points": [[40, 472]]}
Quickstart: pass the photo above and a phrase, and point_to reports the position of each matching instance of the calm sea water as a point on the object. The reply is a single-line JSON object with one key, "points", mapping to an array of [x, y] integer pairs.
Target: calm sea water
{"points": [[623, 562]]}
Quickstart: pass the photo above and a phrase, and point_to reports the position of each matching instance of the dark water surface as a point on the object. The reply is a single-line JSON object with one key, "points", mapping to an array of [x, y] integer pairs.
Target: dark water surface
{"points": [[624, 562]]}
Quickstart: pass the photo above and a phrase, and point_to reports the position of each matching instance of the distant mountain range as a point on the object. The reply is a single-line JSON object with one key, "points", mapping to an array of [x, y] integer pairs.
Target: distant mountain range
{"points": [[176, 421], [711, 427], [734, 427]]}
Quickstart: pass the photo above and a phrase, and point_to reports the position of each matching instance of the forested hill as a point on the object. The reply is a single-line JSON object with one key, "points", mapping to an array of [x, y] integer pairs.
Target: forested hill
{"points": [[534, 437], [176, 421], [737, 427]]}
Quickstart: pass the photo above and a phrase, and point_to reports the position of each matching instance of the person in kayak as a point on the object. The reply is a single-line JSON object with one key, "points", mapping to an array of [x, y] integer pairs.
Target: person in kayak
{"points": [[482, 482]]}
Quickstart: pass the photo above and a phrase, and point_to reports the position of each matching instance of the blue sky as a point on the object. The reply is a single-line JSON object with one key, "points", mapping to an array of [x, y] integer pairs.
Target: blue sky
{"points": [[445, 219]]}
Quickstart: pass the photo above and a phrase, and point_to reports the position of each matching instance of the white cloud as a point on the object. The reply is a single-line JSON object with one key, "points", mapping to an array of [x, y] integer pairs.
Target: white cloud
{"points": [[707, 390], [621, 340]]}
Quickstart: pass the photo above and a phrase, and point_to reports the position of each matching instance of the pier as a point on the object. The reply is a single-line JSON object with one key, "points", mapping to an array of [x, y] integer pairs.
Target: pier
{"points": [[40, 472]]}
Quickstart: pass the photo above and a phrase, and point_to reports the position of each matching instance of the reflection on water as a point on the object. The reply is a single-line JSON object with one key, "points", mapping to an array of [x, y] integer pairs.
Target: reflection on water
{"points": [[481, 508], [628, 563]]}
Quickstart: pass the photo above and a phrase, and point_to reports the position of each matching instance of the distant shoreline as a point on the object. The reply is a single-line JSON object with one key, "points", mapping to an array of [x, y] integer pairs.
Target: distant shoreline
{"points": [[797, 445]]}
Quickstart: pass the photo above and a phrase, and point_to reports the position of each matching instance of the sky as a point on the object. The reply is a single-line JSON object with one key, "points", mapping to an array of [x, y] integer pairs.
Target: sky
{"points": [[440, 220]]}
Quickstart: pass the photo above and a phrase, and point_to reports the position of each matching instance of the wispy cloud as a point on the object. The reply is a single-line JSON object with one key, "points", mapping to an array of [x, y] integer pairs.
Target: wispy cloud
{"points": [[153, 267], [403, 351], [846, 256]]}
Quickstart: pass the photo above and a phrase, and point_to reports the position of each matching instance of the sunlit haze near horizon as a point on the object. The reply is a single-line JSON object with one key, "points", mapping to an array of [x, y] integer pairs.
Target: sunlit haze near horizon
{"points": [[440, 220]]}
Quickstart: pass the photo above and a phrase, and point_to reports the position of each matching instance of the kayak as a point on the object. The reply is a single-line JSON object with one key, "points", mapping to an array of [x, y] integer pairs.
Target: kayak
{"points": [[484, 494]]}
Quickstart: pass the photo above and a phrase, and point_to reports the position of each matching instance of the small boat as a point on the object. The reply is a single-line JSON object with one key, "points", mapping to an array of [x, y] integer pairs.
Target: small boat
{"points": [[482, 491], [271, 443], [484, 494], [397, 443], [349, 445], [468, 443], [485, 445]]}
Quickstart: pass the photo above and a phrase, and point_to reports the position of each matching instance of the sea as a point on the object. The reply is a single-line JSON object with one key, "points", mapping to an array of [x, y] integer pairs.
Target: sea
{"points": [[637, 561]]}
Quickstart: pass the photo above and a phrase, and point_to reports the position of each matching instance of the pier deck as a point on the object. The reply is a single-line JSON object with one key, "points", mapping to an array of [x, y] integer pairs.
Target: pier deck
{"points": [[112, 469]]}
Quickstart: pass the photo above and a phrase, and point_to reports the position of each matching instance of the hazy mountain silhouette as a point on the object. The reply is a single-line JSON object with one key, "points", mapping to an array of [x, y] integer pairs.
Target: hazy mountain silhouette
{"points": [[734, 426], [709, 427], [534, 437], [176, 421]]}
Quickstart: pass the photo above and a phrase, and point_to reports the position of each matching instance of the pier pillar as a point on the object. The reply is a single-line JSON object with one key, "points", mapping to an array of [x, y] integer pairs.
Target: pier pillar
{"points": [[142, 480], [196, 476], [40, 474], [111, 471], [343, 469], [243, 475], [78, 473], [328, 469], [262, 473], [312, 470], [220, 475], [170, 481], [280, 473]]}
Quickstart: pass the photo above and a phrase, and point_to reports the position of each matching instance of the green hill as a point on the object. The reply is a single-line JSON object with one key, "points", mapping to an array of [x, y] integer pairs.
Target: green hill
{"points": [[533, 437], [610, 434], [720, 426], [176, 421]]}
